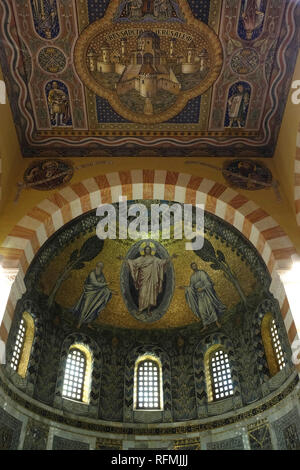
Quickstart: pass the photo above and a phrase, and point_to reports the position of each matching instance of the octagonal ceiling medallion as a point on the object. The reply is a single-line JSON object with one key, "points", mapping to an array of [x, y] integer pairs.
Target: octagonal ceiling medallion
{"points": [[148, 58]]}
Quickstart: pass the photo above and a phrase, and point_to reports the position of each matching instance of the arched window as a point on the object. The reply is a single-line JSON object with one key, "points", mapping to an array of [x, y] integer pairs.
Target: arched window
{"points": [[23, 345], [218, 374], [272, 345], [148, 384], [77, 376]]}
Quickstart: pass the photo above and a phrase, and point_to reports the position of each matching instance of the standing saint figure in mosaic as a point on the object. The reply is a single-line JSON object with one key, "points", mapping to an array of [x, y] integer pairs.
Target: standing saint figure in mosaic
{"points": [[96, 294], [58, 106], [202, 298]]}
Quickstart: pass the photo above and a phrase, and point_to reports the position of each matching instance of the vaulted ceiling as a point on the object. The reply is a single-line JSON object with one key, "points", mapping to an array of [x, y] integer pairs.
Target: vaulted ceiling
{"points": [[148, 77]]}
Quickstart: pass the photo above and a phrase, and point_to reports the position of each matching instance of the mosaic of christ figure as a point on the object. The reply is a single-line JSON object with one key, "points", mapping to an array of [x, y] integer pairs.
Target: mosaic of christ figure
{"points": [[147, 272]]}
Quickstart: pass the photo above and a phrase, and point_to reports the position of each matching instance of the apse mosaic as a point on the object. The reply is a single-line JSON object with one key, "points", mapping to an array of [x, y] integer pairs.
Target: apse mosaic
{"points": [[146, 283], [148, 77]]}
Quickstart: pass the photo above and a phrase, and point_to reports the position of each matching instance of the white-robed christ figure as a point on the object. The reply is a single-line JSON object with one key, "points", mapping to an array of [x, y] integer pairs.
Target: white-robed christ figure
{"points": [[147, 272]]}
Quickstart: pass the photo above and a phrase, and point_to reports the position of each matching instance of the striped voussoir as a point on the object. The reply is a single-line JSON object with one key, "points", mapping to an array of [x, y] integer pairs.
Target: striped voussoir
{"points": [[297, 178], [23, 242]]}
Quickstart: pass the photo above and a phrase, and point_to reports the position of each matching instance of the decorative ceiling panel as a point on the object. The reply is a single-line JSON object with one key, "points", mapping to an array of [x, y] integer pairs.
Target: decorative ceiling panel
{"points": [[148, 77]]}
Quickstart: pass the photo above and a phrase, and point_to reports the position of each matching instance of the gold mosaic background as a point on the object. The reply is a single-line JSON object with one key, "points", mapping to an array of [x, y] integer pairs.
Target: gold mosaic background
{"points": [[116, 313]]}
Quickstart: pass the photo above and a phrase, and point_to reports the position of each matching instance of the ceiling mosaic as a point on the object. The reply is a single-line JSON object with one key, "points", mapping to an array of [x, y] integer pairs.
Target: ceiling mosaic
{"points": [[146, 284], [148, 77]]}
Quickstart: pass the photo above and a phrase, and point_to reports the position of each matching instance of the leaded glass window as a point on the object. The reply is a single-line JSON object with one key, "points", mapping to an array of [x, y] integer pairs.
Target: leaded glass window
{"points": [[221, 380], [74, 377], [19, 344], [148, 385], [277, 345]]}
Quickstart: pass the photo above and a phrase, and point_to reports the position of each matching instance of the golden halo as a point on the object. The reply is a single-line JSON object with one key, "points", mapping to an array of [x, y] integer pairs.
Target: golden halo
{"points": [[143, 246]]}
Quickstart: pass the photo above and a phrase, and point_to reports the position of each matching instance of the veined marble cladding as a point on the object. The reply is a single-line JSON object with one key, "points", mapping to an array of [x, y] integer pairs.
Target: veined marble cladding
{"points": [[36, 436], [187, 444], [260, 438], [10, 430], [287, 429], [61, 443], [108, 444], [234, 443]]}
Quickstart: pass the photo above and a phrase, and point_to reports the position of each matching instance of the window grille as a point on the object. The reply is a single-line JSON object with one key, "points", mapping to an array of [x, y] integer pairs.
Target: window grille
{"points": [[277, 345], [148, 385], [74, 378], [15, 360], [221, 380]]}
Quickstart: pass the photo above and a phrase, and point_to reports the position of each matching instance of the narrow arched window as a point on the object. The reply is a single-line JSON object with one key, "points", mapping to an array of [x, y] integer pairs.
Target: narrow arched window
{"points": [[23, 345], [148, 384], [18, 345], [77, 376], [272, 344], [277, 345], [218, 374]]}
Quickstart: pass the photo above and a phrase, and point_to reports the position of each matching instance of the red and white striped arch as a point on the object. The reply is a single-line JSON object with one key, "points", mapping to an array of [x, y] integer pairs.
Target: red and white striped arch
{"points": [[297, 178], [42, 221]]}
